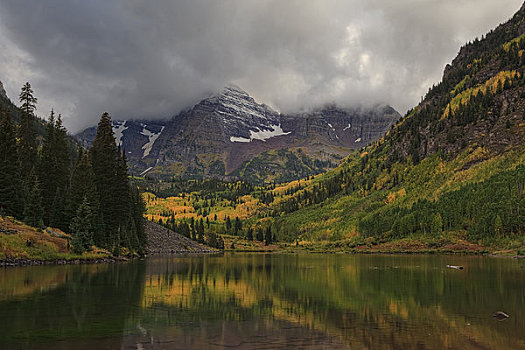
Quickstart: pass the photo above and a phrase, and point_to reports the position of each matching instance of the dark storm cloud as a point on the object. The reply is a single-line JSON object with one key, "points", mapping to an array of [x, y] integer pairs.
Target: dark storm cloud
{"points": [[152, 58]]}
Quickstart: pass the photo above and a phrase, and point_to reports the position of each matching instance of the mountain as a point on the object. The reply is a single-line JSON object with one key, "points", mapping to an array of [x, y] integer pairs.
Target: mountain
{"points": [[230, 135], [451, 170]]}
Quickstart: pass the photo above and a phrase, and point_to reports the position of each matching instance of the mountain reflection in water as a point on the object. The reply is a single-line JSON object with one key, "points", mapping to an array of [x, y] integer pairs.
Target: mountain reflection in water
{"points": [[248, 301]]}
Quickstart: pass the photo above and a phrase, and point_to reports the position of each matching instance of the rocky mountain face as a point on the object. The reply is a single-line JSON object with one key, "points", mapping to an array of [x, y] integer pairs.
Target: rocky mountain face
{"points": [[2, 91], [230, 135], [136, 137], [480, 101]]}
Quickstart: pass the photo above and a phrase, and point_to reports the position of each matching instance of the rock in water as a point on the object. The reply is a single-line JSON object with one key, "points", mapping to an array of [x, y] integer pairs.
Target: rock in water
{"points": [[500, 316], [455, 267]]}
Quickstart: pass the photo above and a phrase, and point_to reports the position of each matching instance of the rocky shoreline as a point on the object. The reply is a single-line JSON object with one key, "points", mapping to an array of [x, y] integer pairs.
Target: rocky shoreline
{"points": [[13, 262], [161, 241]]}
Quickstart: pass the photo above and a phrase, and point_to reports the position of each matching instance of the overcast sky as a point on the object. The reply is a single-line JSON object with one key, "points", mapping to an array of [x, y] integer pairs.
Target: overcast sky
{"points": [[150, 59]]}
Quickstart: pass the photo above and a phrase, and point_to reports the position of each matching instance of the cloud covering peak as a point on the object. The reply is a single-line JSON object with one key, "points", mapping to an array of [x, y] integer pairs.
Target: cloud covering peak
{"points": [[143, 59]]}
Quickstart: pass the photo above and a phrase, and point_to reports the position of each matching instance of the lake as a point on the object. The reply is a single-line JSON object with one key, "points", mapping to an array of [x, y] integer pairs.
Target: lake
{"points": [[267, 301]]}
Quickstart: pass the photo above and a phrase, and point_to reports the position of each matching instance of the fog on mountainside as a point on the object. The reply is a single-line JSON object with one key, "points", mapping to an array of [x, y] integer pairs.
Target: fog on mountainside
{"points": [[138, 61]]}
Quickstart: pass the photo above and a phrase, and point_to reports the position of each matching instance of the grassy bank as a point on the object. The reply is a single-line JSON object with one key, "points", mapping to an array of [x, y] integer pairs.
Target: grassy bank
{"points": [[447, 243], [19, 241]]}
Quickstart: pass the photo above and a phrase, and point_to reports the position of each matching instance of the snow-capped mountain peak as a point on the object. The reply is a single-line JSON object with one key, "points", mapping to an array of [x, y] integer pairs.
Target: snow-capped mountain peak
{"points": [[220, 133]]}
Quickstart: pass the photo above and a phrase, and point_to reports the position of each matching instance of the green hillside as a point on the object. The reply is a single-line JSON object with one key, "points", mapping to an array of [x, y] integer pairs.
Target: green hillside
{"points": [[455, 164], [283, 165]]}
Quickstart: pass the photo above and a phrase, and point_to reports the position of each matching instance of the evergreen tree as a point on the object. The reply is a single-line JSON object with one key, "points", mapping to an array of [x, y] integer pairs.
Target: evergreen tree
{"points": [[62, 152], [138, 210], [83, 183], [268, 236], [237, 228], [26, 133], [57, 214], [220, 243], [436, 227], [498, 226], [54, 170], [118, 201], [249, 234], [103, 155], [228, 224], [33, 211], [122, 209], [211, 240], [184, 229], [27, 99], [83, 186], [47, 167], [260, 234], [193, 231], [106, 164], [11, 196], [82, 229], [200, 231]]}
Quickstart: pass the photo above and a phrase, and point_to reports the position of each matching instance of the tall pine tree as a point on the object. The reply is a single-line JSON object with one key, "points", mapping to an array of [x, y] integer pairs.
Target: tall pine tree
{"points": [[138, 209], [121, 225], [122, 200], [83, 186], [62, 155], [11, 201], [26, 133], [268, 236], [47, 168], [103, 160], [54, 171], [82, 229]]}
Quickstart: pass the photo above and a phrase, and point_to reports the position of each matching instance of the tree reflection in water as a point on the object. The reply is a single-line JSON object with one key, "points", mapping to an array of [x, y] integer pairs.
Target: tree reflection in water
{"points": [[274, 301]]}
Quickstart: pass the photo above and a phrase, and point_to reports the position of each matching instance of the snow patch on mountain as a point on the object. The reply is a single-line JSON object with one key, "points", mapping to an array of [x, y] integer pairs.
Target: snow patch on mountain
{"points": [[358, 140], [348, 127], [240, 109], [239, 139], [152, 136], [118, 129], [262, 135]]}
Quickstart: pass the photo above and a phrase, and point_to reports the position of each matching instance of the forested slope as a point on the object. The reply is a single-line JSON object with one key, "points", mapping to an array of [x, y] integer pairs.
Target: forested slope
{"points": [[455, 163], [48, 180]]}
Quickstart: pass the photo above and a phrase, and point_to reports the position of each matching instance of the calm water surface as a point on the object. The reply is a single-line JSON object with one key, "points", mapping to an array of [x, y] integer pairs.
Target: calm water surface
{"points": [[254, 301]]}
